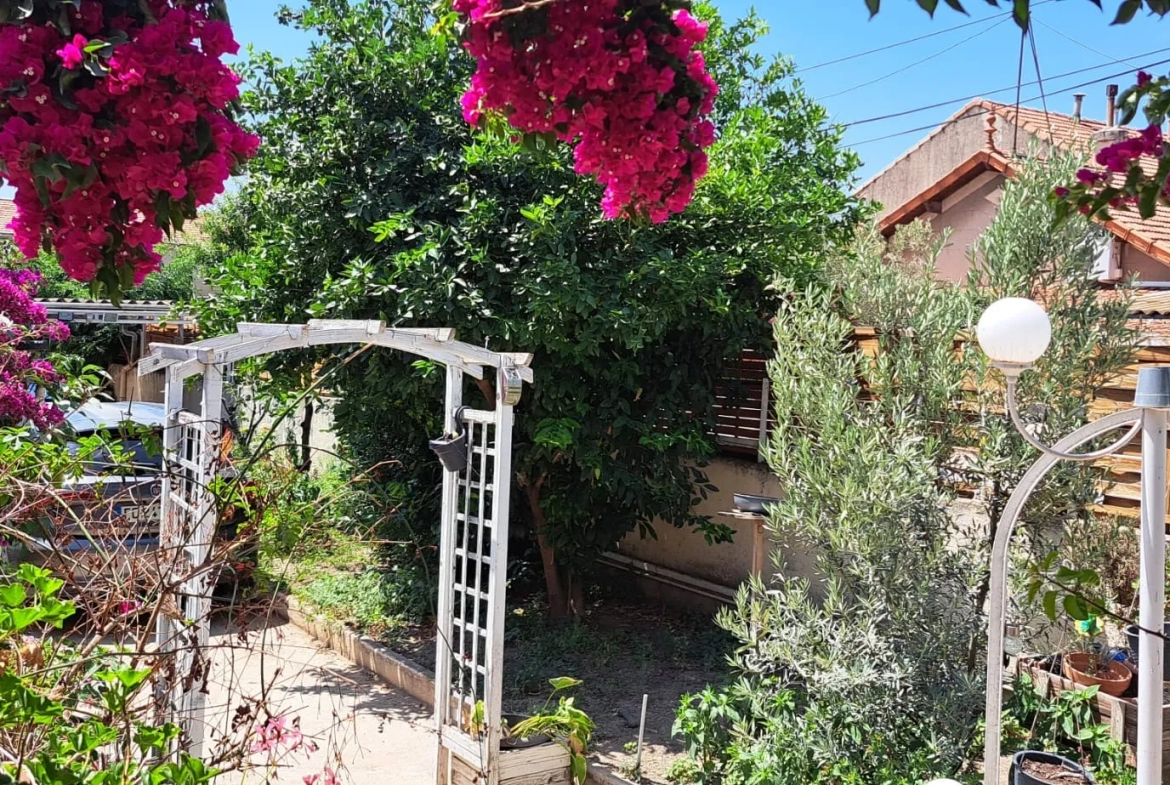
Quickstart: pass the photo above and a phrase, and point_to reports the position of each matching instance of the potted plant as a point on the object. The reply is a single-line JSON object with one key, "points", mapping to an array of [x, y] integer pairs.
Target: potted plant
{"points": [[1032, 767], [565, 724], [452, 448], [1092, 668]]}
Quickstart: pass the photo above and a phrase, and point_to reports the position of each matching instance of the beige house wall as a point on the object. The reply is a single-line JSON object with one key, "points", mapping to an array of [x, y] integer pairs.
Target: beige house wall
{"points": [[936, 157], [969, 212], [727, 565], [966, 215], [1142, 265]]}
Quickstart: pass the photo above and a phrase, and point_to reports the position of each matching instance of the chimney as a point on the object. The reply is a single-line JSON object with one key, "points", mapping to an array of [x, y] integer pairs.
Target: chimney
{"points": [[1078, 105], [1110, 133]]}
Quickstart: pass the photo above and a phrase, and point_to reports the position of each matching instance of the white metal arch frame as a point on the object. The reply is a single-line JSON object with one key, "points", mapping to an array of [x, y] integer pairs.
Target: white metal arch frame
{"points": [[997, 599], [475, 513]]}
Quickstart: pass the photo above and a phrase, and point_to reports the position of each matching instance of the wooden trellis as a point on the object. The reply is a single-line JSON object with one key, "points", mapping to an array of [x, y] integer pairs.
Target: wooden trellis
{"points": [[473, 540]]}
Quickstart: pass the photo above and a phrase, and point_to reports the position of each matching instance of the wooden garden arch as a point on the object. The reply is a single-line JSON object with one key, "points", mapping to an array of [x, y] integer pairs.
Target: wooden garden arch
{"points": [[473, 540]]}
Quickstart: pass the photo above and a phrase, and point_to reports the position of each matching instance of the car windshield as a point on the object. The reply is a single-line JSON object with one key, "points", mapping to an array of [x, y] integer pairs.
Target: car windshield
{"points": [[131, 429], [142, 456]]}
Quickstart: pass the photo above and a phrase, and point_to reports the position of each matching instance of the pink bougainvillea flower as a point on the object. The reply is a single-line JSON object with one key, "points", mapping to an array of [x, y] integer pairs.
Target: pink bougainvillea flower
{"points": [[631, 97], [1088, 176], [23, 319], [73, 53], [1143, 79], [137, 145]]}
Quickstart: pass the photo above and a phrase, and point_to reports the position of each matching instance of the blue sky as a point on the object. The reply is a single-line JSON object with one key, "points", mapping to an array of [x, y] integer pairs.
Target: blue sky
{"points": [[813, 32]]}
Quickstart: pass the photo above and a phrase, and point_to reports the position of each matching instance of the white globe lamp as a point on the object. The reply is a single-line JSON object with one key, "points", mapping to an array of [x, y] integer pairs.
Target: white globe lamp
{"points": [[1014, 332]]}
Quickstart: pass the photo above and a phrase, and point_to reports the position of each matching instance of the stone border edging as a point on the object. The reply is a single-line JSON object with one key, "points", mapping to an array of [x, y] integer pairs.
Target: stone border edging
{"points": [[378, 658]]}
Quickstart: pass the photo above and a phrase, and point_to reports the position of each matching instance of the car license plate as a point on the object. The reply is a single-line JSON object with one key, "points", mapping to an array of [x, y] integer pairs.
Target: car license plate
{"points": [[139, 516]]}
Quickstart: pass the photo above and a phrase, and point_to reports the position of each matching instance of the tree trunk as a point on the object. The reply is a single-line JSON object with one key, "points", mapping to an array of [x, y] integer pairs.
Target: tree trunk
{"points": [[306, 438], [558, 600]]}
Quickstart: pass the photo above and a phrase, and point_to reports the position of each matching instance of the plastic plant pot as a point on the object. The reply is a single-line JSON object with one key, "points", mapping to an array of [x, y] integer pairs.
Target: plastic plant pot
{"points": [[511, 743], [452, 451], [1071, 773], [1132, 634]]}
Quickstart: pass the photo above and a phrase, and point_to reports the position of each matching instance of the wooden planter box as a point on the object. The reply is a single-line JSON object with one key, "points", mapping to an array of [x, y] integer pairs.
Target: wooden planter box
{"points": [[547, 764], [1120, 714]]}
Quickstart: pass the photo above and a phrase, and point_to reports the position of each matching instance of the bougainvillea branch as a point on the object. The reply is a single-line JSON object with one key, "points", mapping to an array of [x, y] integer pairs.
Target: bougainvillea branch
{"points": [[1133, 172], [620, 80], [23, 320], [115, 126]]}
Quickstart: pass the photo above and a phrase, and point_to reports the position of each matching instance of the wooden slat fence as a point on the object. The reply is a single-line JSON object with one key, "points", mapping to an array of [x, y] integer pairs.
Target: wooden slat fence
{"points": [[743, 406], [743, 395]]}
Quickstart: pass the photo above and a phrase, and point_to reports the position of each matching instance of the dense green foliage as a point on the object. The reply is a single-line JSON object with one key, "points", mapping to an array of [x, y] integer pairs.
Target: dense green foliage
{"points": [[372, 199], [51, 731], [872, 673]]}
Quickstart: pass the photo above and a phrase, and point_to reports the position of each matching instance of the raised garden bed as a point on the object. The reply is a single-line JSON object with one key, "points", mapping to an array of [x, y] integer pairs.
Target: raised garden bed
{"points": [[1120, 714]]}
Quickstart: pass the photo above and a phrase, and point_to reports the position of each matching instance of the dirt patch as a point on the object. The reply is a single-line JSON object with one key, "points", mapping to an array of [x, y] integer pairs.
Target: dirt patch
{"points": [[620, 651], [1052, 772]]}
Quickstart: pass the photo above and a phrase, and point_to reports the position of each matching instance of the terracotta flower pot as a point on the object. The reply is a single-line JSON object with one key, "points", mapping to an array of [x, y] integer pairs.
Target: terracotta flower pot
{"points": [[1114, 680]]}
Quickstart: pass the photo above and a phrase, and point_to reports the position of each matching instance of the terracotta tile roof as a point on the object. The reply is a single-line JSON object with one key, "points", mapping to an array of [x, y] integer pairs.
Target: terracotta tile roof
{"points": [[1151, 236], [192, 233], [1064, 130], [7, 213]]}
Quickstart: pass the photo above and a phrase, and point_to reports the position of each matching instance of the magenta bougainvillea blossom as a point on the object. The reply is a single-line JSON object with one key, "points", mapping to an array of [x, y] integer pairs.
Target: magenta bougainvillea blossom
{"points": [[1132, 172], [115, 127], [621, 80], [22, 320]]}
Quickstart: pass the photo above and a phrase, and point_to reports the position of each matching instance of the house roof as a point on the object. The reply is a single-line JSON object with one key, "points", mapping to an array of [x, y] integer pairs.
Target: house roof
{"points": [[1151, 236]]}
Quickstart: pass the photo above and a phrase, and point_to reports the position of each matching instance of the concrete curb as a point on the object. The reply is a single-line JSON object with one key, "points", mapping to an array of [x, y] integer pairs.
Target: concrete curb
{"points": [[398, 671]]}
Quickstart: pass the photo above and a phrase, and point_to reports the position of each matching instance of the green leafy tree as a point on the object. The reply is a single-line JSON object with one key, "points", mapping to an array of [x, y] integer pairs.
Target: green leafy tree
{"points": [[872, 673], [373, 199]]}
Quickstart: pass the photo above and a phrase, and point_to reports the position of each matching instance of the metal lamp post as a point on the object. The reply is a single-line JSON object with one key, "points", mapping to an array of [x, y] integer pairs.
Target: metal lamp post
{"points": [[1014, 333]]}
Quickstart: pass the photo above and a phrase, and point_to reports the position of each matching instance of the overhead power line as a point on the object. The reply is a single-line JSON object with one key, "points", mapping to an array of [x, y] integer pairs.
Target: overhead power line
{"points": [[908, 41], [1040, 79], [916, 63], [1033, 98], [998, 90], [1083, 45]]}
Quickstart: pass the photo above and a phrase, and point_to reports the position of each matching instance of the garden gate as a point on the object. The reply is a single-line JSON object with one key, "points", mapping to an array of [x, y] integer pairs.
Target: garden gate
{"points": [[473, 539]]}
